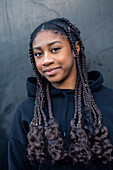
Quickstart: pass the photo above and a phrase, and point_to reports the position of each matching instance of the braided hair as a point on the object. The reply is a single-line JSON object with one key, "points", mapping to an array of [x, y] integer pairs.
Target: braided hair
{"points": [[89, 141]]}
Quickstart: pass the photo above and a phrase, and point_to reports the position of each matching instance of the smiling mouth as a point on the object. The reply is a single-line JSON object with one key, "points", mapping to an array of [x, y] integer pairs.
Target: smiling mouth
{"points": [[51, 71]]}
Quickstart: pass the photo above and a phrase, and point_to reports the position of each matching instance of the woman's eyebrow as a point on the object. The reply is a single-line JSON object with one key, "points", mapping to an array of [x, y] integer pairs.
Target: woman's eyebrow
{"points": [[54, 42], [49, 44]]}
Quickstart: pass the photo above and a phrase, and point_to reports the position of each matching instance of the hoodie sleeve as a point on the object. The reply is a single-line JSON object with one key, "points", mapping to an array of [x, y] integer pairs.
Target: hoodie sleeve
{"points": [[17, 144], [17, 156]]}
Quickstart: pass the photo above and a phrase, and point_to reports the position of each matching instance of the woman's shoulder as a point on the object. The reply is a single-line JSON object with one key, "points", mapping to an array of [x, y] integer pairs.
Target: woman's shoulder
{"points": [[100, 92], [104, 95], [24, 113], [25, 110], [27, 105], [21, 120]]}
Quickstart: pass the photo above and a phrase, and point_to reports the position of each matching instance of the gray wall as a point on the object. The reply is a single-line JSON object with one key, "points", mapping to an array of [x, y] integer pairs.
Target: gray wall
{"points": [[18, 18]]}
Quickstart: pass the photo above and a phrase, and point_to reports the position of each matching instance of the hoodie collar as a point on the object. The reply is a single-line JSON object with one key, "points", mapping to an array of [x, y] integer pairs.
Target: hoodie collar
{"points": [[95, 79]]}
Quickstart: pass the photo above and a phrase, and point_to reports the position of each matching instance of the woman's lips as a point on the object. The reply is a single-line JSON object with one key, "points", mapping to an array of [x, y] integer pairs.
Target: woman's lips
{"points": [[51, 71]]}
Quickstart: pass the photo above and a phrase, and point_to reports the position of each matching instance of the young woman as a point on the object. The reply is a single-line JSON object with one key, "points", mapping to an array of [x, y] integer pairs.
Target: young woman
{"points": [[64, 123]]}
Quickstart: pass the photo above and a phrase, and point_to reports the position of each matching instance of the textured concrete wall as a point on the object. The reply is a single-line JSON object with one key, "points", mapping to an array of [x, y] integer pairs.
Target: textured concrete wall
{"points": [[18, 18]]}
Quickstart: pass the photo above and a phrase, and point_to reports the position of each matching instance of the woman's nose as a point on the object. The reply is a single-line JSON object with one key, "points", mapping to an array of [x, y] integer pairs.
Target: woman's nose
{"points": [[47, 60]]}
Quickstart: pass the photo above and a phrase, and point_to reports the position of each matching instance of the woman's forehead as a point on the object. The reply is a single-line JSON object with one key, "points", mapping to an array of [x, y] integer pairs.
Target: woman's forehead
{"points": [[48, 36], [51, 32]]}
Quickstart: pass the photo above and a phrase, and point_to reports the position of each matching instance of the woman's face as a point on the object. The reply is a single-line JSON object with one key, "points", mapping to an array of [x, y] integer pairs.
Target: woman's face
{"points": [[55, 59]]}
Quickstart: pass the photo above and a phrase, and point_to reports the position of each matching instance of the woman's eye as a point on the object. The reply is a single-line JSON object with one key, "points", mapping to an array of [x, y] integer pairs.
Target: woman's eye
{"points": [[55, 49], [38, 54]]}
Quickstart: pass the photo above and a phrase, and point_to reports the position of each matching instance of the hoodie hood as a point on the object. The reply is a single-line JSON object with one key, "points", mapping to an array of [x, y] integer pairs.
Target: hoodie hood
{"points": [[95, 79]]}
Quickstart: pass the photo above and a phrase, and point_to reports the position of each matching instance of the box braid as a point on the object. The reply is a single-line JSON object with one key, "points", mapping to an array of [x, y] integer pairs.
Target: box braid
{"points": [[84, 146], [55, 142]]}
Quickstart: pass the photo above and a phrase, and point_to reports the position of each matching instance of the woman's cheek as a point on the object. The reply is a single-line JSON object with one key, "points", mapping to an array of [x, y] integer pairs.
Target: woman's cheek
{"points": [[38, 64]]}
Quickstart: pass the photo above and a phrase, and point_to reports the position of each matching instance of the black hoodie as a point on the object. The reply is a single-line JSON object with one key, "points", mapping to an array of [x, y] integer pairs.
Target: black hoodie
{"points": [[63, 109]]}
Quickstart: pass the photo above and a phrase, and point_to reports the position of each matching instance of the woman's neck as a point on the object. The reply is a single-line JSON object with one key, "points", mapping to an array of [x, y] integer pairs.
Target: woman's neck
{"points": [[67, 84]]}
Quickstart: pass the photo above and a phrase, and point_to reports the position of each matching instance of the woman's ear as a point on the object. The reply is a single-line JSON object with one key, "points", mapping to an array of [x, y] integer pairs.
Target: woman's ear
{"points": [[77, 45]]}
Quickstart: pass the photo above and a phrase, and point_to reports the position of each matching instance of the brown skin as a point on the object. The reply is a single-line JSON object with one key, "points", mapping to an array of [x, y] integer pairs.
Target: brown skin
{"points": [[55, 59]]}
